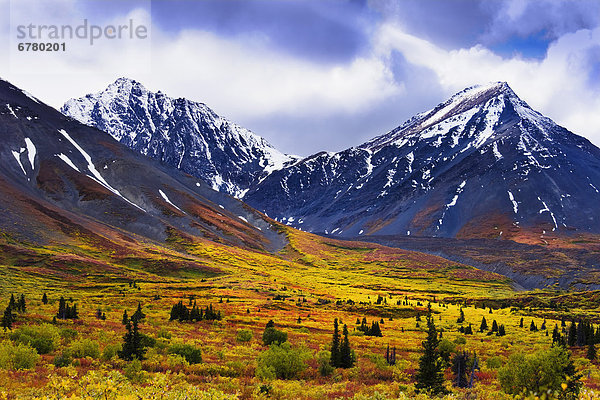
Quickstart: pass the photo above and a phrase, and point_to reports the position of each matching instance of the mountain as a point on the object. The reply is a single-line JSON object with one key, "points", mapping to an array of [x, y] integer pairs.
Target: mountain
{"points": [[65, 182], [181, 133], [482, 164]]}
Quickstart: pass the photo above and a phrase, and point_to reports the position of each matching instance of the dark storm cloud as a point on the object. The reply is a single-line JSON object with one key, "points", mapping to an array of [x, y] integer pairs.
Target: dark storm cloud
{"points": [[329, 31]]}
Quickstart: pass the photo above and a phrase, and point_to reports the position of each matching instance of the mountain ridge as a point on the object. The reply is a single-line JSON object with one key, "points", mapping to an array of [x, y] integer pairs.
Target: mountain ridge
{"points": [[410, 179], [184, 134]]}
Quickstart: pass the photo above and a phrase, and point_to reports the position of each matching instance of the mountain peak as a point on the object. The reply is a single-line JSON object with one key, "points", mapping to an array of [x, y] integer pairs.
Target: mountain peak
{"points": [[184, 134], [483, 161]]}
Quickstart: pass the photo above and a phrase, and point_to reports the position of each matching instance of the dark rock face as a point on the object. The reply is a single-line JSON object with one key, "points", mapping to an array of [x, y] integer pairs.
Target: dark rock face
{"points": [[61, 180], [482, 164], [181, 133]]}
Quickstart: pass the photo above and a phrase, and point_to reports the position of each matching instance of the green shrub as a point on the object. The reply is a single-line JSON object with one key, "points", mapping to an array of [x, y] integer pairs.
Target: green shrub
{"points": [[281, 361], [44, 338], [541, 371], [460, 340], [163, 334], [494, 362], [273, 336], [147, 341], [133, 371], [17, 356], [324, 362], [68, 334], [62, 360], [110, 351], [192, 355], [446, 349], [84, 348], [175, 361], [244, 335]]}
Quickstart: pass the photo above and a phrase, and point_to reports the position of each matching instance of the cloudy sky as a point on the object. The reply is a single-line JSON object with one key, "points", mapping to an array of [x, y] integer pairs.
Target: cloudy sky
{"points": [[316, 75]]}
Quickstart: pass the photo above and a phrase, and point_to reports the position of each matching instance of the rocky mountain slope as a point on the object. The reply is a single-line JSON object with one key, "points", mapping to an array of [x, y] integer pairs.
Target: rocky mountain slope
{"points": [[482, 164], [65, 182], [181, 133]]}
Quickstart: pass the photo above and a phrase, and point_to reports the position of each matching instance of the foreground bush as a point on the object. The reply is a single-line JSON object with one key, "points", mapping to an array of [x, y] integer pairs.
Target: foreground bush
{"points": [[17, 356], [112, 385], [272, 336], [44, 338], [281, 361], [244, 335], [191, 354], [547, 370], [84, 348]]}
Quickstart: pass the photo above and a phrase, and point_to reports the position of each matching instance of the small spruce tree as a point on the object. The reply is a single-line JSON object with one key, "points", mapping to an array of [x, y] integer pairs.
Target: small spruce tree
{"points": [[138, 315], [336, 359], [45, 299], [7, 318], [501, 330], [460, 368], [21, 306], [430, 376], [461, 318], [591, 351], [483, 326], [346, 355], [494, 326]]}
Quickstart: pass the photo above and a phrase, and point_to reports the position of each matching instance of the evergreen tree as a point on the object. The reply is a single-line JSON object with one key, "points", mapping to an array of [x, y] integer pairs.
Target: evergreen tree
{"points": [[336, 356], [132, 342], [62, 308], [375, 330], [45, 299], [12, 302], [591, 351], [469, 330], [556, 336], [125, 319], [533, 327], [501, 331], [461, 318], [21, 306], [572, 340], [138, 315], [430, 376], [7, 318], [521, 323], [460, 368], [390, 355], [580, 340], [483, 326], [346, 356], [494, 326]]}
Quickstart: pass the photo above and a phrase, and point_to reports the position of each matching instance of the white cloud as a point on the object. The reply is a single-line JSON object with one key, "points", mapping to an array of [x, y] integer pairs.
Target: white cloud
{"points": [[249, 79], [246, 78]]}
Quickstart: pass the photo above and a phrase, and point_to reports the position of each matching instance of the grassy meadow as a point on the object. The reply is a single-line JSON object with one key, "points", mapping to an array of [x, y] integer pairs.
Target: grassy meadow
{"points": [[302, 289]]}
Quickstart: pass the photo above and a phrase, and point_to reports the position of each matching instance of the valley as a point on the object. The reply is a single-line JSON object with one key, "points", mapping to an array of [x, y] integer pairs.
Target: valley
{"points": [[124, 275]]}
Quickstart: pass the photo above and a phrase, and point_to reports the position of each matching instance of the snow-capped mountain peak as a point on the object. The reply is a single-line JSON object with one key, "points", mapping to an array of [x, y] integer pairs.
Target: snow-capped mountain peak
{"points": [[479, 160], [182, 133]]}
